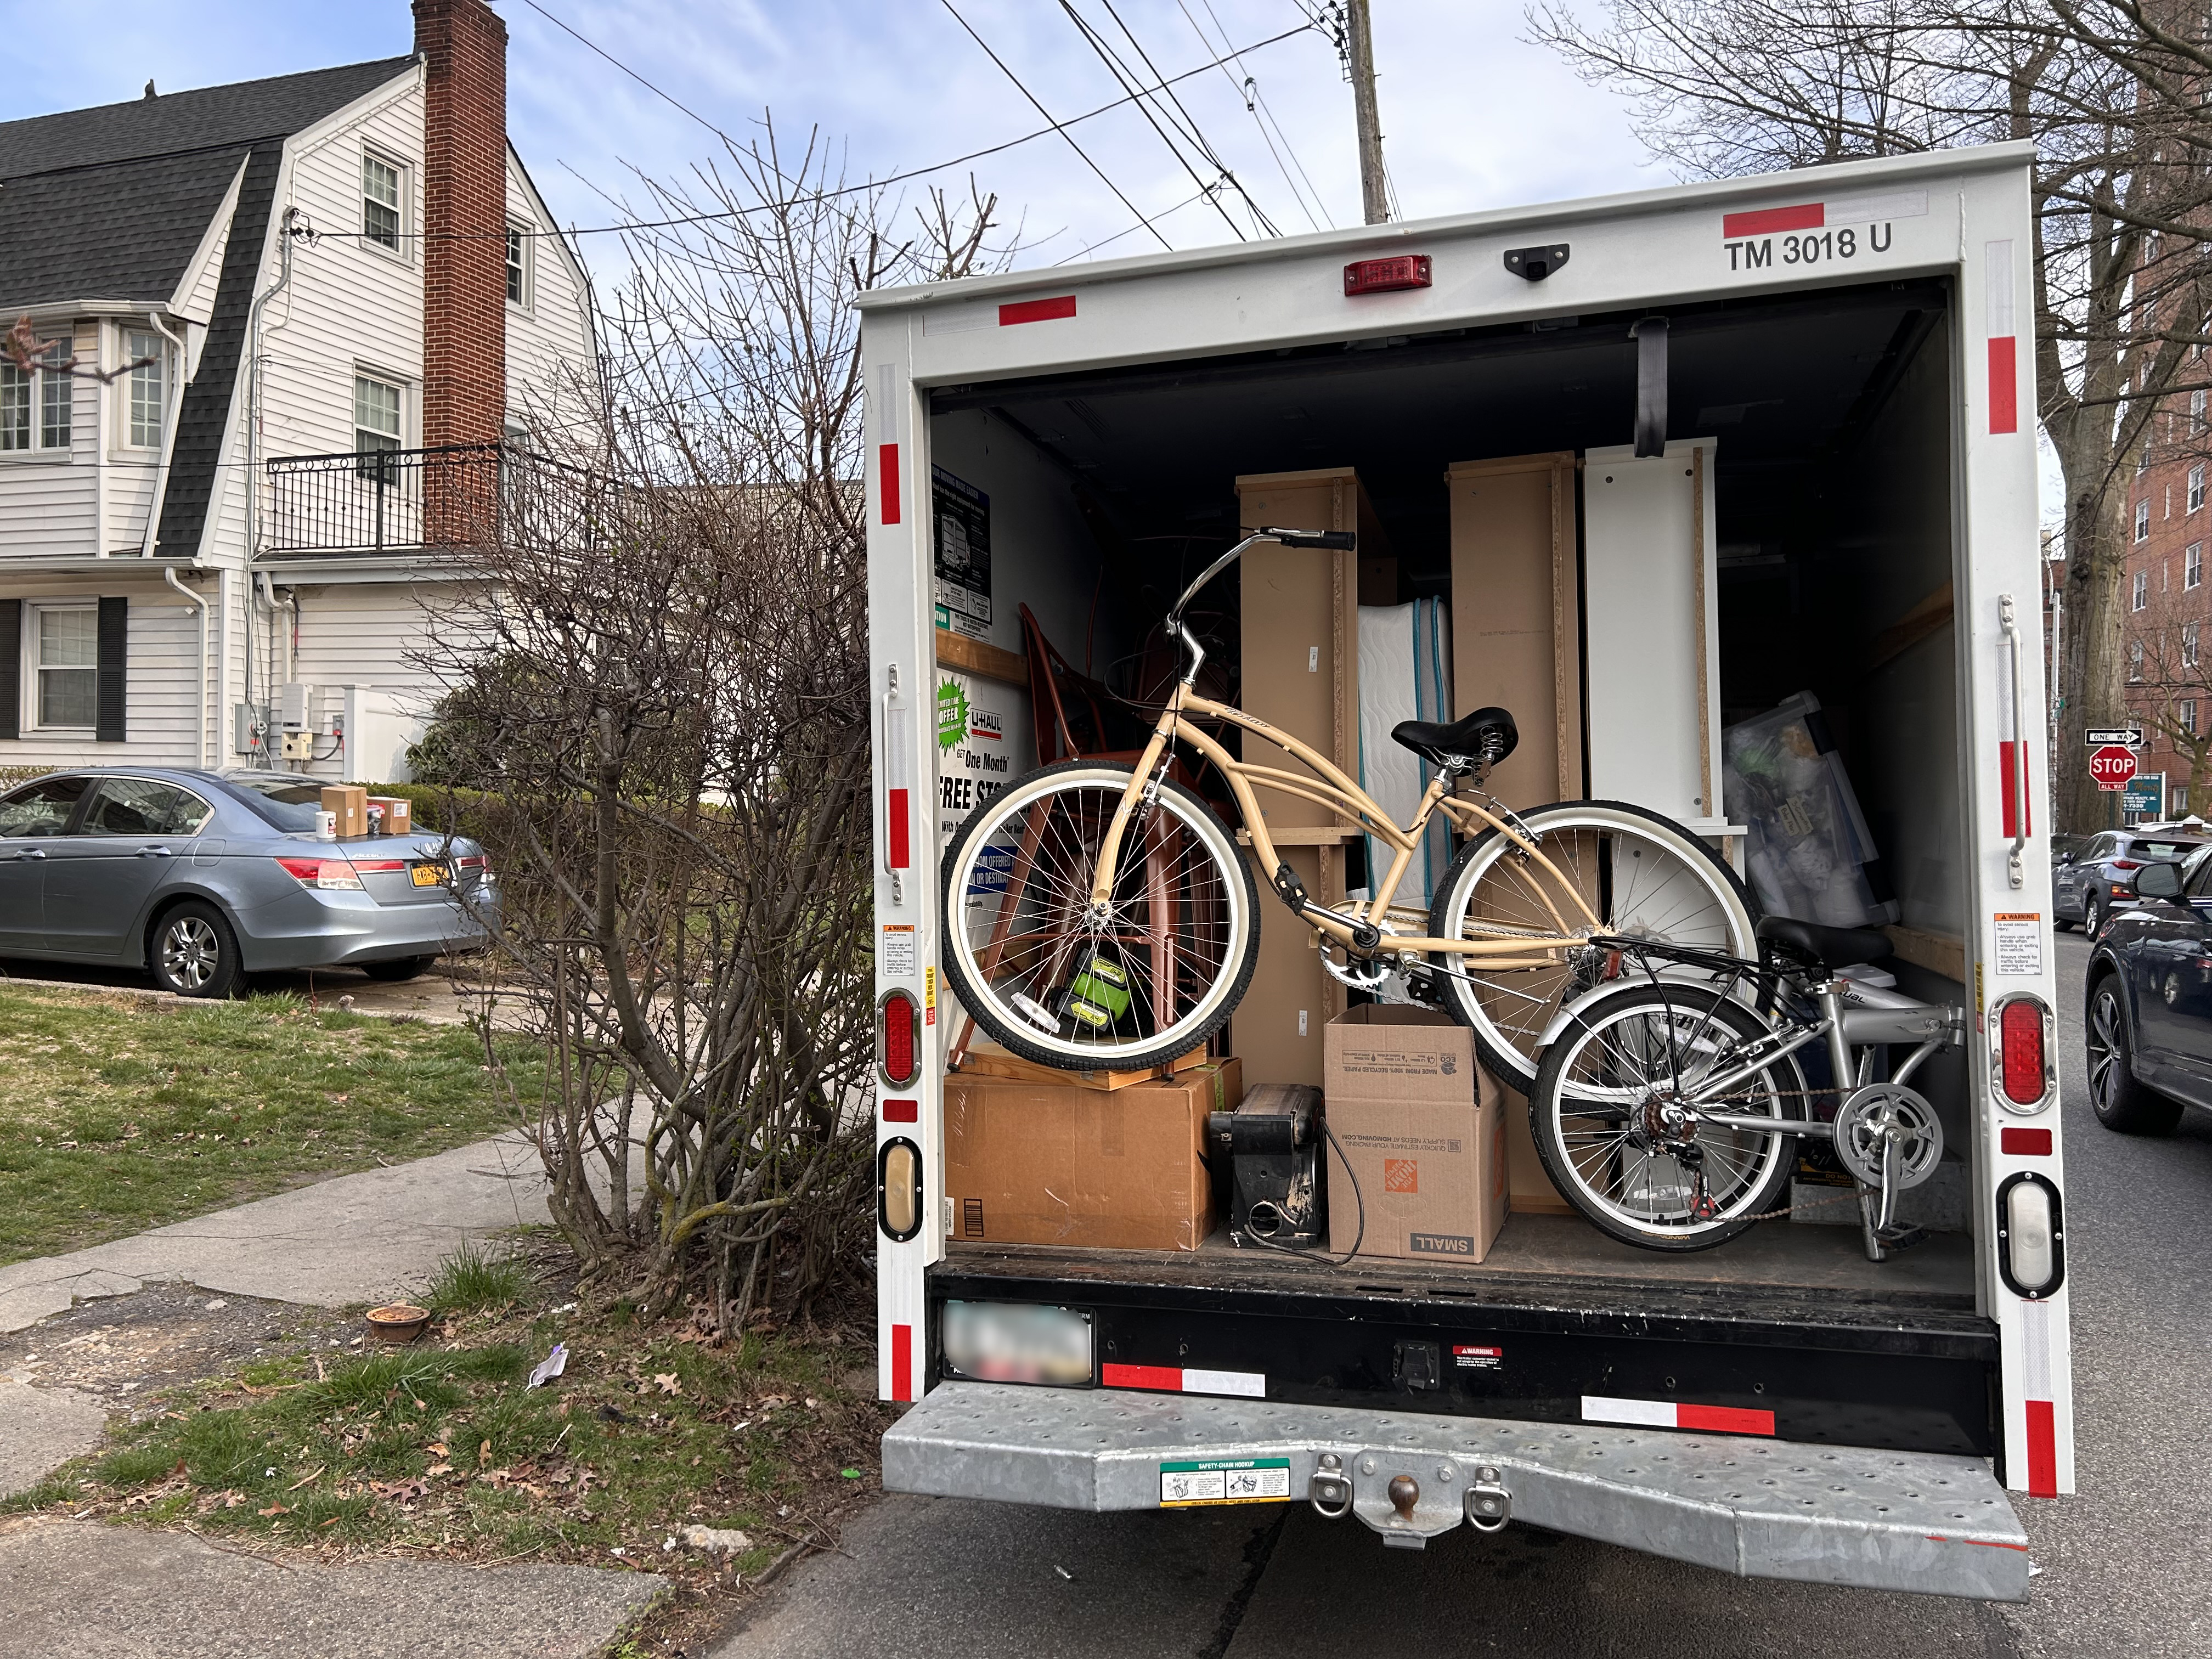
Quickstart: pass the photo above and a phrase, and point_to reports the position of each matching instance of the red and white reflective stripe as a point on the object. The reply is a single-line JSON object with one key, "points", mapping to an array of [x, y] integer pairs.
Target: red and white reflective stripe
{"points": [[2004, 341], [1676, 1414], [1861, 210], [2013, 791], [1036, 311], [887, 481], [2042, 1410], [1173, 1379], [898, 793], [903, 1362]]}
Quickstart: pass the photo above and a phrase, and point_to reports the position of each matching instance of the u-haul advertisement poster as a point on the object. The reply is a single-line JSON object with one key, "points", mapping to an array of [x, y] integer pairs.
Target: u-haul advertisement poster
{"points": [[984, 742]]}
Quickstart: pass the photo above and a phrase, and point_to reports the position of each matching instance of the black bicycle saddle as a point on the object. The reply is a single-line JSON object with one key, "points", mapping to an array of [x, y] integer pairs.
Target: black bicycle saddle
{"points": [[1825, 947], [1487, 735]]}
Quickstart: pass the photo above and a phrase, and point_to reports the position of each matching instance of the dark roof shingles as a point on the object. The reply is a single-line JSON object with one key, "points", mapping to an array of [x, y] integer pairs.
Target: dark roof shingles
{"points": [[209, 117], [124, 231]]}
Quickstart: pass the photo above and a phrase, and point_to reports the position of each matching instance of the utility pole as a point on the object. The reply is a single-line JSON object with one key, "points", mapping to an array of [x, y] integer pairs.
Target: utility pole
{"points": [[1360, 43]]}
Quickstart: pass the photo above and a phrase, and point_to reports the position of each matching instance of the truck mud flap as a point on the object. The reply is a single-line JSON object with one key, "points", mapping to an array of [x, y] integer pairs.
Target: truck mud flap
{"points": [[1881, 1520]]}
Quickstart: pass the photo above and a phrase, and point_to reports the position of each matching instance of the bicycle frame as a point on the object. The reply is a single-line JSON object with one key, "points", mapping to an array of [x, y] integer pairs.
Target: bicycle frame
{"points": [[1331, 788]]}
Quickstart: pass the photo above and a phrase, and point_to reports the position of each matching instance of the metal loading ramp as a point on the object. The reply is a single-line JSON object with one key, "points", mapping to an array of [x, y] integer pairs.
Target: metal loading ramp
{"points": [[1881, 1520]]}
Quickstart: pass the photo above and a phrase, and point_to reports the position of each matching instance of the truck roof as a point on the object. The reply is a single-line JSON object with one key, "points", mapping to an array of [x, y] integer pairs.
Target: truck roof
{"points": [[1771, 188]]}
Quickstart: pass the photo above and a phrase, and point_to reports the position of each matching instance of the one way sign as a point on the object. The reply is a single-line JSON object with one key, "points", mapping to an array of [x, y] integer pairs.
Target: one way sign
{"points": [[2128, 737]]}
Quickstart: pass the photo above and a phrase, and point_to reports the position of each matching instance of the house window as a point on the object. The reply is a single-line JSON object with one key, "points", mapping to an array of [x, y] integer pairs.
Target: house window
{"points": [[517, 266], [2142, 592], [2192, 565], [2134, 659], [2188, 645], [380, 182], [66, 646], [376, 406], [2197, 409], [143, 348], [34, 402], [2185, 715], [2143, 522], [2177, 800]]}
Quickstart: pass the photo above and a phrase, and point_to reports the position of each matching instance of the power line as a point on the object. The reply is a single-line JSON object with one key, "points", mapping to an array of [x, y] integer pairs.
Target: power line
{"points": [[1106, 241], [1057, 126], [1249, 90], [813, 195], [1114, 67], [1260, 219]]}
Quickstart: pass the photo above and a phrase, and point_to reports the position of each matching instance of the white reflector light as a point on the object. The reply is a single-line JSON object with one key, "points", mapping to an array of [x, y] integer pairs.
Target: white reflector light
{"points": [[1017, 1342], [2030, 1234]]}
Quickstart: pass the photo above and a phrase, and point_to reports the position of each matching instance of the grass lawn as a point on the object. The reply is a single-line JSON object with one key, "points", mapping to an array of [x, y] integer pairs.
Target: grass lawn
{"points": [[117, 1115], [438, 1449]]}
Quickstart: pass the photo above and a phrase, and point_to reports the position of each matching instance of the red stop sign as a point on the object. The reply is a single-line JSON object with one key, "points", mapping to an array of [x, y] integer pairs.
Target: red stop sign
{"points": [[2112, 766]]}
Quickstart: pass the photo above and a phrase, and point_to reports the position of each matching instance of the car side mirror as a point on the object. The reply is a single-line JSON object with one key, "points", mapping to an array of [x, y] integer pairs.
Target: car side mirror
{"points": [[2161, 881]]}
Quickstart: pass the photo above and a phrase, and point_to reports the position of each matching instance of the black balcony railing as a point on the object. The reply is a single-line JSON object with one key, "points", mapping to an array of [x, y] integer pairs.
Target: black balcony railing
{"points": [[378, 500]]}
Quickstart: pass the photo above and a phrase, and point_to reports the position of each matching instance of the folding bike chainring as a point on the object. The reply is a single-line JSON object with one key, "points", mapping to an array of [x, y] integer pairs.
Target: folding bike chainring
{"points": [[1872, 1117]]}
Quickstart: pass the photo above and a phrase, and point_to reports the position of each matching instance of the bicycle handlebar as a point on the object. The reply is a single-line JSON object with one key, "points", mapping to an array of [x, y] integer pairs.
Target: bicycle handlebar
{"points": [[1337, 541]]}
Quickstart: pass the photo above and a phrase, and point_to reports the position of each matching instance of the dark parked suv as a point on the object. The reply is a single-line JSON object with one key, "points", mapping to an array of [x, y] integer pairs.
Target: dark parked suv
{"points": [[2082, 885], [2148, 1008]]}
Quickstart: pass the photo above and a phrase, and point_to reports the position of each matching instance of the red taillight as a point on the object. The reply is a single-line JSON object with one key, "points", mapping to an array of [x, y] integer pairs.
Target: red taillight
{"points": [[1384, 275], [898, 1038], [387, 865], [2023, 1050], [321, 872], [2127, 863], [479, 862]]}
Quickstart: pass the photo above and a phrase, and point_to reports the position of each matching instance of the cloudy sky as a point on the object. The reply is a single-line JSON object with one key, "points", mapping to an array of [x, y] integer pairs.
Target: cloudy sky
{"points": [[1472, 117]]}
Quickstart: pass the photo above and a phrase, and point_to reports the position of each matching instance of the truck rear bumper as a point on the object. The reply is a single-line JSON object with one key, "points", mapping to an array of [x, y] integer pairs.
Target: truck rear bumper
{"points": [[1881, 1520]]}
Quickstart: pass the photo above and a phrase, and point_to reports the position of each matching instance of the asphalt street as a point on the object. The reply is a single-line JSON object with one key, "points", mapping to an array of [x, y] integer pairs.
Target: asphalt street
{"points": [[2122, 1568]]}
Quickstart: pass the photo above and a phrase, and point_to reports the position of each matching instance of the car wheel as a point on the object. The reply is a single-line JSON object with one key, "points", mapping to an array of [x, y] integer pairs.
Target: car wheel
{"points": [[2059, 924], [2122, 1104], [2091, 913], [396, 968], [195, 952]]}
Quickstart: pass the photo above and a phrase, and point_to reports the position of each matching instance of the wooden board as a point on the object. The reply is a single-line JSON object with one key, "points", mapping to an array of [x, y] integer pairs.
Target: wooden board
{"points": [[980, 657], [986, 1059], [1513, 609]]}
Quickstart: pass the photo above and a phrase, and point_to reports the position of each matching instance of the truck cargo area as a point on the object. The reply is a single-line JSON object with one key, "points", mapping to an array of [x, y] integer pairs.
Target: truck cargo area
{"points": [[1830, 414]]}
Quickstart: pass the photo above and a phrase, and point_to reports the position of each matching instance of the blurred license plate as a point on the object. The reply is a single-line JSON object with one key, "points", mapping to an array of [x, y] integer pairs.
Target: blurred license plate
{"points": [[1017, 1342], [432, 875]]}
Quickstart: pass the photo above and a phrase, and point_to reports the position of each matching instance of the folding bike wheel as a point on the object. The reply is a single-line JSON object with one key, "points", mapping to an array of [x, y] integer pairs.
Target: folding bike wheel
{"points": [[1615, 1113], [1055, 980], [1644, 875]]}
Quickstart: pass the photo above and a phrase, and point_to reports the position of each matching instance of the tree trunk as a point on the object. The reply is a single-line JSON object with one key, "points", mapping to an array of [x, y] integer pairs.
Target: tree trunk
{"points": [[2094, 675]]}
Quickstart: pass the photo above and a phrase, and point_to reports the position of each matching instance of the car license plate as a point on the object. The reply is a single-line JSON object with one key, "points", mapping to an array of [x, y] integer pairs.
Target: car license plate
{"points": [[431, 875]]}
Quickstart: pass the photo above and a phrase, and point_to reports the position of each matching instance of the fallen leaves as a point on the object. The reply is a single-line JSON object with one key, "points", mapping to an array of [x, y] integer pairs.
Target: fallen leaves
{"points": [[668, 1382]]}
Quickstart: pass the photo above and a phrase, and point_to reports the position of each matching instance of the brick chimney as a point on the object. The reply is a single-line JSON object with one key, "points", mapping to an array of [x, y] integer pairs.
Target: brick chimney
{"points": [[463, 44]]}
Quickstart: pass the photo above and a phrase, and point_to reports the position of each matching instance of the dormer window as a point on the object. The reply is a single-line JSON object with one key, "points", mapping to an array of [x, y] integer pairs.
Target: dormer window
{"points": [[35, 402]]}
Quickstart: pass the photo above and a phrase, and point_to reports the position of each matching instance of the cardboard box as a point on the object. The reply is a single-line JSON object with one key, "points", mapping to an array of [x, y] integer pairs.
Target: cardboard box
{"points": [[1059, 1163], [987, 1058], [1424, 1129], [398, 813], [348, 804]]}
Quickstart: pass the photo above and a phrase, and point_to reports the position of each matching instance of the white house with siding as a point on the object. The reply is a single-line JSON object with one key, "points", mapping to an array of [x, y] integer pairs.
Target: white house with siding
{"points": [[318, 325]]}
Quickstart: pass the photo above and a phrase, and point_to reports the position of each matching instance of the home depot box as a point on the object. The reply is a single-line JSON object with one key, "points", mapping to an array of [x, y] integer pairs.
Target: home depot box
{"points": [[1424, 1129], [348, 804], [1031, 1163]]}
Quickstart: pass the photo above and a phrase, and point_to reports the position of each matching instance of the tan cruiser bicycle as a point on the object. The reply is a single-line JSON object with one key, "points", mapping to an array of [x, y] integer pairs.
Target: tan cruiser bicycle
{"points": [[1099, 915]]}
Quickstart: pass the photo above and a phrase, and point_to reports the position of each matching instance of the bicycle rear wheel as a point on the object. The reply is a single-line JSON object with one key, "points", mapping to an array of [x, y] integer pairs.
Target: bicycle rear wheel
{"points": [[1049, 978], [1642, 876], [1616, 1114]]}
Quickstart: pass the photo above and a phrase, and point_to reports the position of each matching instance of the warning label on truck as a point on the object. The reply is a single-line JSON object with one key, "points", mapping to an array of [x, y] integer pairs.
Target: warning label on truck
{"points": [[1225, 1481], [1470, 1357], [2020, 942]]}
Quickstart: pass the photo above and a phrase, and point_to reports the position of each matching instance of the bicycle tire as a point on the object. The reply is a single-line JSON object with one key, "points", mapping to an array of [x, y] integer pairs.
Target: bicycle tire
{"points": [[1508, 1048], [1747, 1202], [966, 979]]}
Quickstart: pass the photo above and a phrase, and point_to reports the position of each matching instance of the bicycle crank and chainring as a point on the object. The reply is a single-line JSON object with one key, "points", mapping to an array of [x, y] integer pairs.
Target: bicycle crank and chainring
{"points": [[1879, 1115]]}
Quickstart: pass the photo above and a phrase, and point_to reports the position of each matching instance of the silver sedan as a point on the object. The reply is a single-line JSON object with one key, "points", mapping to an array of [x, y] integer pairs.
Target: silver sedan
{"points": [[205, 876]]}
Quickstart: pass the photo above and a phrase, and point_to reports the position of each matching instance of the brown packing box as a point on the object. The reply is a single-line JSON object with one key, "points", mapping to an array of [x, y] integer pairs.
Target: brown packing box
{"points": [[398, 813], [1424, 1129], [348, 804], [1059, 1163]]}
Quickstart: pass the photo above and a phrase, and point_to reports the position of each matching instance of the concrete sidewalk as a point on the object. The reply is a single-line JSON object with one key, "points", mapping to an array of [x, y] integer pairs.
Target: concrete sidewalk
{"points": [[79, 1590], [354, 1238]]}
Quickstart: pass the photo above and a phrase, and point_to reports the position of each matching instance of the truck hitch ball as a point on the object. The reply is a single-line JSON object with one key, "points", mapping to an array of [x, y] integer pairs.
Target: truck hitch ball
{"points": [[1404, 1492]]}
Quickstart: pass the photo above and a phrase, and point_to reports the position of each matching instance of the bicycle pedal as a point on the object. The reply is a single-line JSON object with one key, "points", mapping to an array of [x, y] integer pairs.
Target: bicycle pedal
{"points": [[1899, 1238]]}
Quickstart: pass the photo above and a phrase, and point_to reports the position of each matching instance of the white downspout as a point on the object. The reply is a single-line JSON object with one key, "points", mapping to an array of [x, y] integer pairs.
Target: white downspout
{"points": [[173, 403], [200, 701], [284, 235]]}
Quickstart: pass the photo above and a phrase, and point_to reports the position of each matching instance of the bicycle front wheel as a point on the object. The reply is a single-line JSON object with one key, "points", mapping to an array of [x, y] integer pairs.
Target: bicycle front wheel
{"points": [[1055, 979], [1639, 874], [1619, 1111]]}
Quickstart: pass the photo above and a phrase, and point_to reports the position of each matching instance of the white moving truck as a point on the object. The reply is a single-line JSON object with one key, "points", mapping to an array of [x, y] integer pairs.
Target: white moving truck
{"points": [[1834, 468]]}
